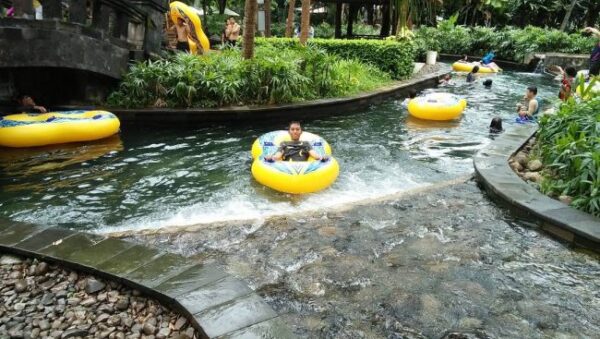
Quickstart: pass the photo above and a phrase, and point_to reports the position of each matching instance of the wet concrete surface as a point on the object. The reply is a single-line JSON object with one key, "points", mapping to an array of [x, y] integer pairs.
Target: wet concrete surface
{"points": [[440, 263]]}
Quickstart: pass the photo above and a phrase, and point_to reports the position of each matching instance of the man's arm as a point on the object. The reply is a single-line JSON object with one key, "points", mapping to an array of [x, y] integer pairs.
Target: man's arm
{"points": [[316, 155], [531, 108]]}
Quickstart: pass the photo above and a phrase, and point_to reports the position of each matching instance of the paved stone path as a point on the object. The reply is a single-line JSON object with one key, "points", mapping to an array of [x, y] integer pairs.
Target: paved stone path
{"points": [[214, 302]]}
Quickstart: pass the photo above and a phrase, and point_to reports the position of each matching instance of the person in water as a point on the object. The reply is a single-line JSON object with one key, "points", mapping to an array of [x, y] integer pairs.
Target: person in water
{"points": [[411, 95], [496, 125], [487, 83], [26, 104], [567, 82], [446, 80], [488, 58], [528, 111], [471, 77], [595, 56], [295, 149]]}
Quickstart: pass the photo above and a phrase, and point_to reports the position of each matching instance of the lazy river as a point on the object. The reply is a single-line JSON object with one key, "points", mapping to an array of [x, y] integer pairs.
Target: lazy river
{"points": [[151, 178]]}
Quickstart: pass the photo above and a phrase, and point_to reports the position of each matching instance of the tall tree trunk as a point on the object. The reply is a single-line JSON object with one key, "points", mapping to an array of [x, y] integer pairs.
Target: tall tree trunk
{"points": [[289, 23], [305, 21], [591, 16], [370, 14], [250, 10], [565, 22], [267, 18], [221, 4]]}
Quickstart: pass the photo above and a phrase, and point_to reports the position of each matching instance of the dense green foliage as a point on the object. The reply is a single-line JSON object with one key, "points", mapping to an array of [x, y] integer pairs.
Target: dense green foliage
{"points": [[508, 43], [569, 146], [275, 75], [394, 58]]}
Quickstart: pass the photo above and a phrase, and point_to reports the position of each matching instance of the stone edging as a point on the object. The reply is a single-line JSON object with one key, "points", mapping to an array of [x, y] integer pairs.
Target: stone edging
{"points": [[216, 304], [285, 112], [494, 173]]}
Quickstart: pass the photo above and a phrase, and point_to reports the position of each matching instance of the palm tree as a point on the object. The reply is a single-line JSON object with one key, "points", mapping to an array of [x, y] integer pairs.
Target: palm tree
{"points": [[289, 24], [250, 10], [267, 18], [305, 21]]}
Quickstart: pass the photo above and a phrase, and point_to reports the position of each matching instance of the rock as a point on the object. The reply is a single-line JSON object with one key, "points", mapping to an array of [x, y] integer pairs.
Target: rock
{"points": [[19, 306], [35, 332], [10, 260], [516, 166], [56, 324], [73, 276], [60, 286], [101, 296], [92, 286], [20, 286], [534, 165], [113, 296], [15, 275], [565, 199], [521, 158], [122, 304], [102, 317], [189, 332], [75, 332], [16, 333], [47, 299], [179, 324], [41, 269], [56, 334], [88, 302], [163, 333], [113, 320], [44, 325], [127, 322], [532, 176], [105, 308], [139, 306], [148, 328], [73, 301], [136, 328], [120, 335]]}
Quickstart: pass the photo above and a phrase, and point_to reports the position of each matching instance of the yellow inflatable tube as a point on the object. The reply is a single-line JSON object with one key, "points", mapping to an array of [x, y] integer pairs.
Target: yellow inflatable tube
{"points": [[468, 67], [437, 106], [181, 10], [295, 177], [30, 130]]}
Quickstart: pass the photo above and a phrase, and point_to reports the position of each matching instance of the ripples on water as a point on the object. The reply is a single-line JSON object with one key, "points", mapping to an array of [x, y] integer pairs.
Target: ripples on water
{"points": [[173, 176]]}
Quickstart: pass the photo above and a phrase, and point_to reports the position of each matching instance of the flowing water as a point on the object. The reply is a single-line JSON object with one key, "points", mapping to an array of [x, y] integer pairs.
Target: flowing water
{"points": [[152, 178], [430, 258]]}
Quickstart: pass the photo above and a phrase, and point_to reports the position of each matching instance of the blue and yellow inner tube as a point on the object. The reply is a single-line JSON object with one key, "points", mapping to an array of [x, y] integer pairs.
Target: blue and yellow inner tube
{"points": [[294, 177], [31, 130], [437, 106]]}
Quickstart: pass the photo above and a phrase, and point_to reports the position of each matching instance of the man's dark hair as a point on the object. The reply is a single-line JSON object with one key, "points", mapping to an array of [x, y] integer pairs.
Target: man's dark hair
{"points": [[571, 71], [496, 125], [412, 93], [487, 83], [294, 122], [475, 69], [532, 89]]}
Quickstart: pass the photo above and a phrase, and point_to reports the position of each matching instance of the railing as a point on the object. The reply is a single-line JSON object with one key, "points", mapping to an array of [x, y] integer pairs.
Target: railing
{"points": [[130, 21]]}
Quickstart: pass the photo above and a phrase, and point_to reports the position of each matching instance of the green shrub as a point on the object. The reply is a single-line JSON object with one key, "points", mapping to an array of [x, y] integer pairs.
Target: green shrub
{"points": [[394, 58], [508, 43], [569, 146], [275, 75]]}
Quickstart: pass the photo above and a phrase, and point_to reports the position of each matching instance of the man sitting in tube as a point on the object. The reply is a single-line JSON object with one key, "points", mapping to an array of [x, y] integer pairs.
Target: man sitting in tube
{"points": [[295, 150]]}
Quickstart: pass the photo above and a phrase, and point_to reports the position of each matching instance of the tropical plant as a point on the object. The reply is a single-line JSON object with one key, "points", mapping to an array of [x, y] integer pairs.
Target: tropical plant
{"points": [[569, 145]]}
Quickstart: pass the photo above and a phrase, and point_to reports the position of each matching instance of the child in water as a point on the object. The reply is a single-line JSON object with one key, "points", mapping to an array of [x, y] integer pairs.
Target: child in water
{"points": [[487, 83], [496, 125], [471, 77], [446, 80], [411, 95]]}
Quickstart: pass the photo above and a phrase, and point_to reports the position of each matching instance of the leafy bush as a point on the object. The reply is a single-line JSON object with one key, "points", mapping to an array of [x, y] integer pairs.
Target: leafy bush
{"points": [[508, 43], [275, 75], [394, 58], [569, 146]]}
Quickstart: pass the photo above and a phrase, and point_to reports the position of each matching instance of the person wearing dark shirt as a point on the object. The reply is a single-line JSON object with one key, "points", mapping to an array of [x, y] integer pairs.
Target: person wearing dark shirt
{"points": [[26, 104], [295, 149], [595, 56], [471, 77]]}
